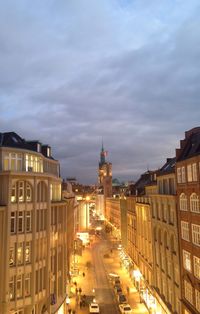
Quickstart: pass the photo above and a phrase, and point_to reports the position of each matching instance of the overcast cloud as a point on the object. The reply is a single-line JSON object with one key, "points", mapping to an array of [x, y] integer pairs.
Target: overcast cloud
{"points": [[74, 71]]}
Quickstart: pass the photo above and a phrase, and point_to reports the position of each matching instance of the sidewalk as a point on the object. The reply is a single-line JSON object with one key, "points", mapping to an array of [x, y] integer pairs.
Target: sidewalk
{"points": [[86, 283], [113, 266]]}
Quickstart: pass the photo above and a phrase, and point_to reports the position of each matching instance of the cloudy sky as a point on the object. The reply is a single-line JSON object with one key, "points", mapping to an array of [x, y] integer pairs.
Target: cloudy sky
{"points": [[74, 71]]}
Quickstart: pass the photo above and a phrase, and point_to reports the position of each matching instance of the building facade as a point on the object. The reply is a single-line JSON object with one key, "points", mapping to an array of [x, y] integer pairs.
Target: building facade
{"points": [[33, 220], [166, 279], [188, 194]]}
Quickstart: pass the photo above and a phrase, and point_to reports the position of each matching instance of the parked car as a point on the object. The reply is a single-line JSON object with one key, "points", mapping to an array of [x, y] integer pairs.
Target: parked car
{"points": [[121, 299], [112, 277], [116, 282], [118, 290], [125, 309], [94, 308]]}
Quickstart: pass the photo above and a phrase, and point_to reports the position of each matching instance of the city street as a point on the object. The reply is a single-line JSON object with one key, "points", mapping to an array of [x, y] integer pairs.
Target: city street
{"points": [[96, 262]]}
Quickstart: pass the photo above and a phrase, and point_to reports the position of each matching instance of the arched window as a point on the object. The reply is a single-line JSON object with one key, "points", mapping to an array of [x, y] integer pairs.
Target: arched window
{"points": [[194, 203], [183, 201]]}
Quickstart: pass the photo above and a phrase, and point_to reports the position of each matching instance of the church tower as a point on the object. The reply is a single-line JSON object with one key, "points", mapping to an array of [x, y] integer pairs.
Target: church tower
{"points": [[105, 174]]}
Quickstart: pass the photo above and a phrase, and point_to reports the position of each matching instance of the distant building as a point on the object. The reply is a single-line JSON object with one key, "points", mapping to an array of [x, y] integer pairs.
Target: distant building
{"points": [[33, 224], [105, 175], [188, 194]]}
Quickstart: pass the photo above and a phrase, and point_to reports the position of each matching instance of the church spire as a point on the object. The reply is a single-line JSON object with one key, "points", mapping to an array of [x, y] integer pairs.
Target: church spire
{"points": [[102, 155]]}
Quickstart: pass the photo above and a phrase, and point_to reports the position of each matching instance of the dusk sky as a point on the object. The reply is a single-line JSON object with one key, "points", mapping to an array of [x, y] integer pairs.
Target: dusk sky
{"points": [[74, 71]]}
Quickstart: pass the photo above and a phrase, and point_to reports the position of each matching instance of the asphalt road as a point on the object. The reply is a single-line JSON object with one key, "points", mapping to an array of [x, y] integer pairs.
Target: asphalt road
{"points": [[103, 290]]}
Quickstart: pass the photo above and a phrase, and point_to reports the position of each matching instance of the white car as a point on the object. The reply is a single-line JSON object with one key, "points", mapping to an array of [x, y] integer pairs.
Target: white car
{"points": [[94, 308], [125, 309]]}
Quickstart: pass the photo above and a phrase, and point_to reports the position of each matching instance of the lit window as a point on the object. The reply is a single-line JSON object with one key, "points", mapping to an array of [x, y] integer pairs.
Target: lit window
{"points": [[183, 174], [197, 267], [12, 256], [196, 234], [194, 172], [185, 230], [28, 193], [189, 173], [28, 252], [188, 291], [19, 286], [12, 288], [183, 202], [14, 193], [194, 203], [20, 253], [21, 191], [186, 260]]}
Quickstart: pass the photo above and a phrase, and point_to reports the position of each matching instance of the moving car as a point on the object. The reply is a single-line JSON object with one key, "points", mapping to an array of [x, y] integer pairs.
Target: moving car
{"points": [[94, 308], [125, 309]]}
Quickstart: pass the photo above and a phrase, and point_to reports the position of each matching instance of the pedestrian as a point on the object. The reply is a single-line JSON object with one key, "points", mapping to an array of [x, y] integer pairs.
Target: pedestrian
{"points": [[69, 311], [80, 304], [76, 291], [128, 290], [80, 290], [83, 274], [75, 283]]}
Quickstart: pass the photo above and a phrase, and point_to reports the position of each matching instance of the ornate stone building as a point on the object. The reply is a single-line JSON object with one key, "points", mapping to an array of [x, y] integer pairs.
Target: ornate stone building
{"points": [[33, 224], [166, 279], [188, 194]]}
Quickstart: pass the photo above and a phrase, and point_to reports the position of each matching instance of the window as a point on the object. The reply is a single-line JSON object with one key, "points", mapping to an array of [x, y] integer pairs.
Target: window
{"points": [[12, 161], [189, 173], [183, 202], [196, 234], [197, 300], [27, 284], [28, 221], [19, 286], [197, 267], [21, 191], [34, 163], [194, 172], [194, 203], [28, 252], [20, 253], [28, 193], [185, 230], [179, 178], [183, 174], [20, 221], [188, 291], [186, 260], [14, 193], [12, 288], [12, 256], [13, 222]]}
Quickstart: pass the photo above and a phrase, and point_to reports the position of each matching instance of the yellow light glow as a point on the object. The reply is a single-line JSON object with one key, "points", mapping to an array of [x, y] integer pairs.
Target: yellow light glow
{"points": [[87, 198]]}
